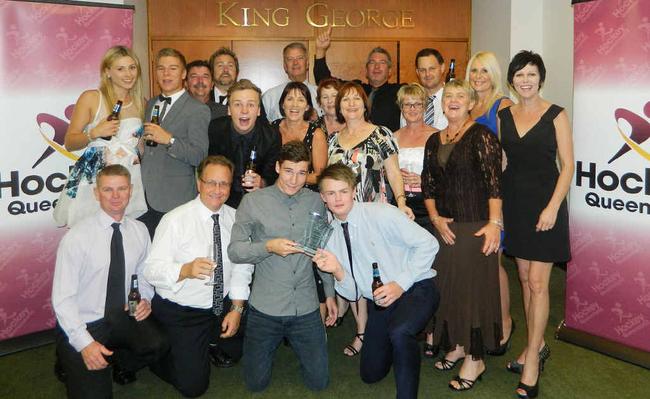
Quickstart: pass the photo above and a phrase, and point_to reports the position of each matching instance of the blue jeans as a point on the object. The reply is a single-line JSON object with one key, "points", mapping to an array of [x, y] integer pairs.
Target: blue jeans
{"points": [[305, 333], [390, 338]]}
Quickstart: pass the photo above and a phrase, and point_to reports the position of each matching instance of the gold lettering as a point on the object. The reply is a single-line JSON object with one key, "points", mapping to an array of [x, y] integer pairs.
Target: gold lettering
{"points": [[311, 21], [387, 14], [338, 17], [264, 21], [374, 17], [286, 17], [224, 14], [245, 13], [407, 19], [350, 24]]}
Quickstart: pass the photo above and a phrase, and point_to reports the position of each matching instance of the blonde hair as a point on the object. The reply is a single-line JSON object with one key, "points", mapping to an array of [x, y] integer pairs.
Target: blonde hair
{"points": [[463, 85], [489, 61], [105, 85], [412, 90]]}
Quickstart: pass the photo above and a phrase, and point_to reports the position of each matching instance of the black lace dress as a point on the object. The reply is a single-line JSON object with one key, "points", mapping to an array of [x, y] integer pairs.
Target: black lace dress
{"points": [[461, 178]]}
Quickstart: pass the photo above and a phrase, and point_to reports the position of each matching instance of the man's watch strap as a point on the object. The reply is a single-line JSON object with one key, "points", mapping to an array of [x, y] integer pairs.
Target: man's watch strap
{"points": [[237, 308], [171, 142]]}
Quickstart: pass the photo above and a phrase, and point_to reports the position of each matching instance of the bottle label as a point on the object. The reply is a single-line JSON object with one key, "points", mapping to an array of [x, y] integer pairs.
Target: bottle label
{"points": [[133, 305]]}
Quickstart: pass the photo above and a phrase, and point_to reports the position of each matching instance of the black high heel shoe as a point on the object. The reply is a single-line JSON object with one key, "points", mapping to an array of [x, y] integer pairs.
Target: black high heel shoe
{"points": [[503, 348], [526, 391], [514, 366]]}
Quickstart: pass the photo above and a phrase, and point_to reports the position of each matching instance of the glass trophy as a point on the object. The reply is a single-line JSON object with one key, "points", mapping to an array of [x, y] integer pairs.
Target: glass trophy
{"points": [[316, 235]]}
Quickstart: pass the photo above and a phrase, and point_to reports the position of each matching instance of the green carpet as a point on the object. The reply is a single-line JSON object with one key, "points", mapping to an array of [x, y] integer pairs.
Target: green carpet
{"points": [[571, 372]]}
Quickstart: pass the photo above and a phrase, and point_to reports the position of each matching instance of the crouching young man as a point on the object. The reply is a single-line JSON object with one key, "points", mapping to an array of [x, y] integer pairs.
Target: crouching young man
{"points": [[367, 233]]}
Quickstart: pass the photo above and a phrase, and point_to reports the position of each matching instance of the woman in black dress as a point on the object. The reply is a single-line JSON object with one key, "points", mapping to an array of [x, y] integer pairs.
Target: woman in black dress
{"points": [[534, 133], [461, 183]]}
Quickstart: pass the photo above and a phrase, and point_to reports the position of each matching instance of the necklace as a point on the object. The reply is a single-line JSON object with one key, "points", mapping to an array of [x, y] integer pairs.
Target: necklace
{"points": [[449, 141]]}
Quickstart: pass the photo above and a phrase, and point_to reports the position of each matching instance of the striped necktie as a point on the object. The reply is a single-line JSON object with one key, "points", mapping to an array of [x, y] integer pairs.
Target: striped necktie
{"points": [[429, 114]]}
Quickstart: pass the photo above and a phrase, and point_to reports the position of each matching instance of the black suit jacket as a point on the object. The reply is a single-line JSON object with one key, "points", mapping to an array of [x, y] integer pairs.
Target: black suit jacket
{"points": [[267, 143], [384, 110]]}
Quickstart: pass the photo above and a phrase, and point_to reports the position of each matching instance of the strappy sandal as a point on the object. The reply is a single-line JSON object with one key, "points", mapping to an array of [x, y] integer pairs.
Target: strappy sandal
{"points": [[464, 384], [445, 364], [429, 351], [351, 348]]}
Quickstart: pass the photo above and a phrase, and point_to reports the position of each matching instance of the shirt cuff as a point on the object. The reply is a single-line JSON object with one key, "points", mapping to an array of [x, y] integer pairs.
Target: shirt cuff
{"points": [[239, 293], [81, 340], [405, 280]]}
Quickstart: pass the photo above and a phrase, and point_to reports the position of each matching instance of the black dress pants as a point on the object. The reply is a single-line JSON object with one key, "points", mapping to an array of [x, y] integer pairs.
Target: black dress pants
{"points": [[190, 330], [134, 344]]}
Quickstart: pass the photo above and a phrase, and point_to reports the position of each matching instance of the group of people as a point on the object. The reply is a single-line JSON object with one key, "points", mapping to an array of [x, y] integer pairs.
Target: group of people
{"points": [[411, 178]]}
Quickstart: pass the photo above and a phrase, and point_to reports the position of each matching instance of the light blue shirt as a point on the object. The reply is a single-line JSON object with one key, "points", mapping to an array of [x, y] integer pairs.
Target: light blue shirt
{"points": [[382, 233]]}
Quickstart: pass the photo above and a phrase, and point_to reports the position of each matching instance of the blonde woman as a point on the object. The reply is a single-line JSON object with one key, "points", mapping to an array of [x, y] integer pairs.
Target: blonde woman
{"points": [[105, 142], [484, 75]]}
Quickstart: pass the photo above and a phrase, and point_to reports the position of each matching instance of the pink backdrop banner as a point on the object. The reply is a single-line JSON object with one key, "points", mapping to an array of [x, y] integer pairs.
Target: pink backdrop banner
{"points": [[608, 279], [49, 54]]}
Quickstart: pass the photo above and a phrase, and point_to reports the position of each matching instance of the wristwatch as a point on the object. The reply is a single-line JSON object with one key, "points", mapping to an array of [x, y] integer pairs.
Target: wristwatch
{"points": [[237, 308], [171, 142]]}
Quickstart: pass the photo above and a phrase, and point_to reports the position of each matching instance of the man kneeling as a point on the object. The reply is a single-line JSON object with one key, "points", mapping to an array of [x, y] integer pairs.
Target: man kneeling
{"points": [[94, 265], [367, 233]]}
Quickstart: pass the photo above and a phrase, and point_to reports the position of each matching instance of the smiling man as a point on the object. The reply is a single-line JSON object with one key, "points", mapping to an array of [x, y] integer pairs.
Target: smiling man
{"points": [[382, 95], [296, 65], [236, 136], [284, 301], [372, 232], [430, 68], [94, 264], [199, 83], [191, 312], [180, 141]]}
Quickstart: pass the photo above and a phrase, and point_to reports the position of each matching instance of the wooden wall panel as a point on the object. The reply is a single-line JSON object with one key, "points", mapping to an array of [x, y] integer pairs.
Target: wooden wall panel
{"points": [[257, 31], [448, 19]]}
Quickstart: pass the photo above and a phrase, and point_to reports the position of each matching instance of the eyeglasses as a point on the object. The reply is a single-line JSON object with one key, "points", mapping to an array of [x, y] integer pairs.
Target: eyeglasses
{"points": [[215, 184], [412, 105]]}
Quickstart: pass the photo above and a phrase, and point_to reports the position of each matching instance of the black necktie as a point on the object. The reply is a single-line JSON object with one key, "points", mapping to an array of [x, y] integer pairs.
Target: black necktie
{"points": [[222, 100], [348, 245], [115, 295], [165, 101], [217, 293]]}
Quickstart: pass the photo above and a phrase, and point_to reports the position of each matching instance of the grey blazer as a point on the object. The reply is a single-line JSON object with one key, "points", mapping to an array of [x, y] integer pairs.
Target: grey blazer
{"points": [[168, 173]]}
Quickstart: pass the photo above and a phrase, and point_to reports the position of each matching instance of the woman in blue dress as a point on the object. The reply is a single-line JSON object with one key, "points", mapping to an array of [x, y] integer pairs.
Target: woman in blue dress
{"points": [[484, 75]]}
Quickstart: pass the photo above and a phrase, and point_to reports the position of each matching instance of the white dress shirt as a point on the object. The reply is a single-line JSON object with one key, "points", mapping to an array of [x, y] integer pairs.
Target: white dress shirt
{"points": [[174, 97], [217, 94], [184, 234], [81, 273], [271, 100], [381, 233], [439, 118]]}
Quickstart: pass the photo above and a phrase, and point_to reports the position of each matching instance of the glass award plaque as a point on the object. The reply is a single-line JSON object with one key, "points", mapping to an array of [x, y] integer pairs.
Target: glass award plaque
{"points": [[316, 235]]}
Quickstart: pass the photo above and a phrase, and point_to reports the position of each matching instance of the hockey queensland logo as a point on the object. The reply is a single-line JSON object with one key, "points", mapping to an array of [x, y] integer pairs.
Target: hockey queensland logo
{"points": [[621, 189]]}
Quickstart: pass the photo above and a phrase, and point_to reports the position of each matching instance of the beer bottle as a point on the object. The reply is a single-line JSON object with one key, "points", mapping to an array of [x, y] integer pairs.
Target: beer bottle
{"points": [[116, 111], [155, 119], [250, 167], [376, 283], [134, 295], [115, 114], [451, 74]]}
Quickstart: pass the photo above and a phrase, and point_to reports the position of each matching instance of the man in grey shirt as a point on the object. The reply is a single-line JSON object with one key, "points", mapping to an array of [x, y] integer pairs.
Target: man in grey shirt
{"points": [[283, 300]]}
